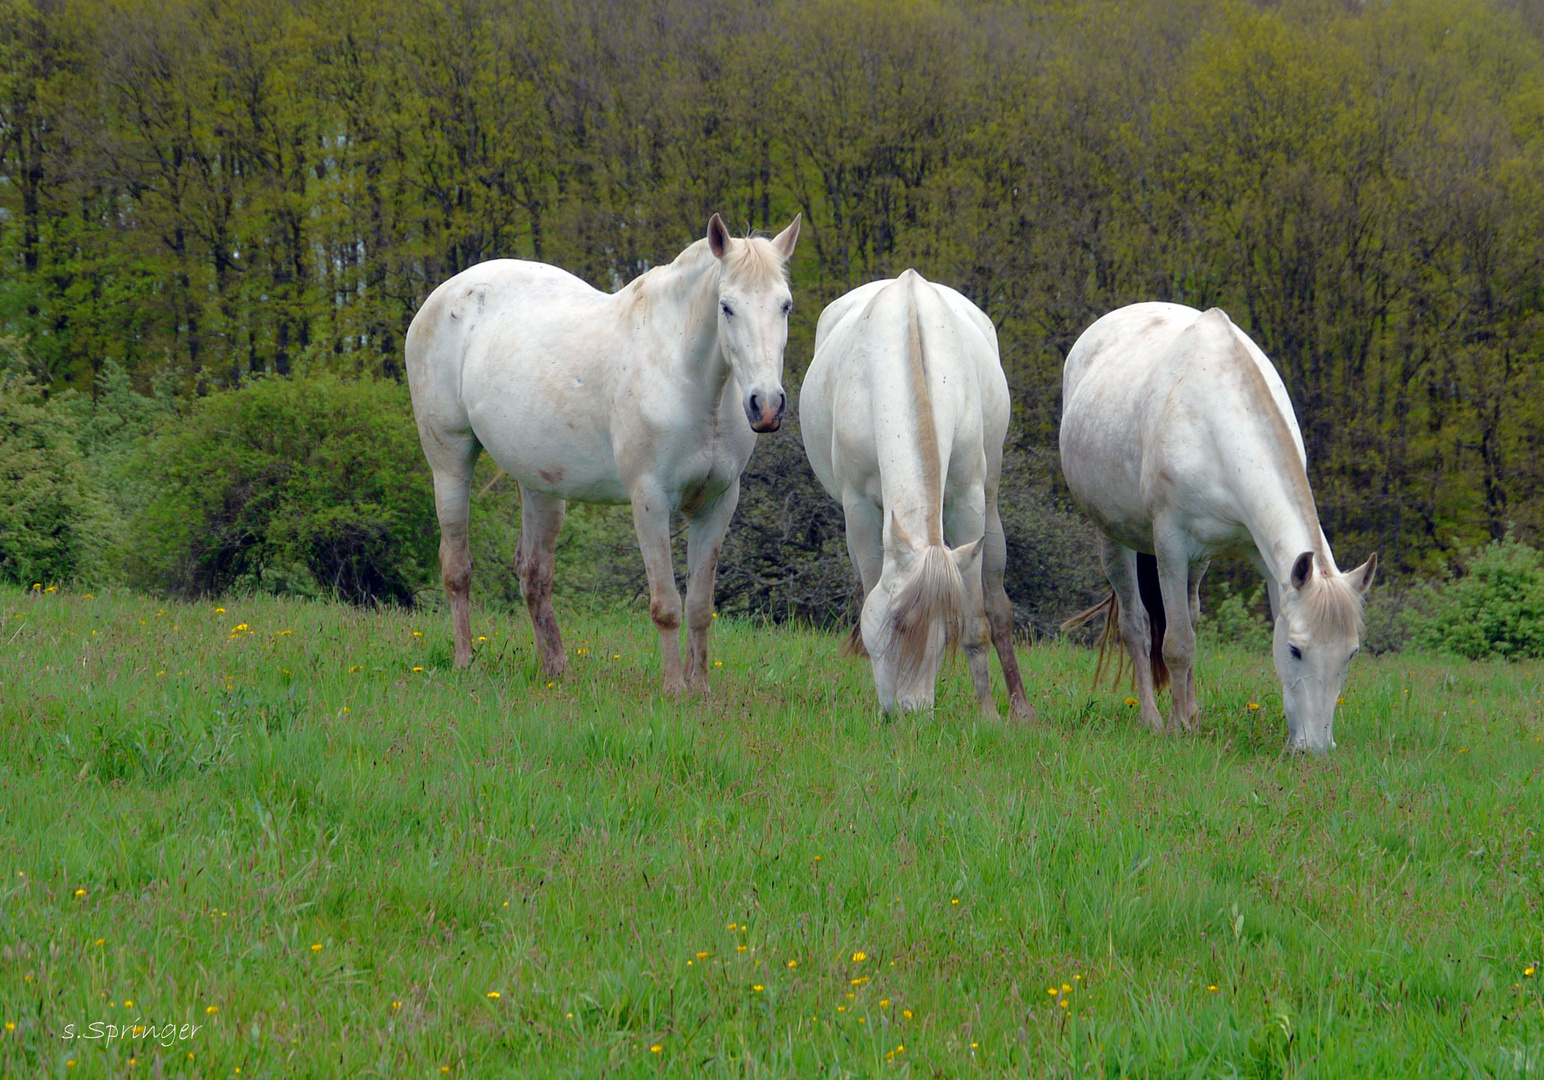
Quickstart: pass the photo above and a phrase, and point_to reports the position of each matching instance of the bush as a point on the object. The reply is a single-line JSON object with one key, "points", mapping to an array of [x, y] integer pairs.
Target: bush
{"points": [[306, 486], [54, 524], [1494, 609], [1238, 619]]}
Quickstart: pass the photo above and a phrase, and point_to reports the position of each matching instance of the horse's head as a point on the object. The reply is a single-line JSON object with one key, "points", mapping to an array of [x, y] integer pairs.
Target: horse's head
{"points": [[753, 306], [1318, 631], [914, 615]]}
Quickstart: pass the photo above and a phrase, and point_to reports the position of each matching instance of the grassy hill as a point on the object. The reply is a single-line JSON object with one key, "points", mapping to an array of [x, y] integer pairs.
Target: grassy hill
{"points": [[292, 825]]}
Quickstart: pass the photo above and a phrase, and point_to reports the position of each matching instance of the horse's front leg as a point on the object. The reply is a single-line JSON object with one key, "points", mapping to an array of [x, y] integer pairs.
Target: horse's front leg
{"points": [[651, 521], [1179, 637], [704, 540]]}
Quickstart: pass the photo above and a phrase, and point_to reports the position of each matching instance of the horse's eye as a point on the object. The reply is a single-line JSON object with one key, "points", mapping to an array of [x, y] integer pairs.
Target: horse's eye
{"points": [[787, 307], [1297, 654], [728, 311]]}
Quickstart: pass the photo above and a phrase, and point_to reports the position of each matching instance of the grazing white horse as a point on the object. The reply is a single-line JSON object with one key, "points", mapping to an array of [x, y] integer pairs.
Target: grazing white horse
{"points": [[1178, 439], [649, 396], [904, 411]]}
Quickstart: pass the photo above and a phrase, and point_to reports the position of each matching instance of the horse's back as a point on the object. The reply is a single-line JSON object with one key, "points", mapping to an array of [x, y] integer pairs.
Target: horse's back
{"points": [[1163, 405], [862, 374], [515, 356]]}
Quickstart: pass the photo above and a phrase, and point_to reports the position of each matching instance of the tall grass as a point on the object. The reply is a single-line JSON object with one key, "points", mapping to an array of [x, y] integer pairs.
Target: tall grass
{"points": [[294, 825]]}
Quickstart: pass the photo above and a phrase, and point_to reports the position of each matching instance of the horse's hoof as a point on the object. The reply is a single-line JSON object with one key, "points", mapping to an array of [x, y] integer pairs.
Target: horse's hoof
{"points": [[555, 669], [1023, 710]]}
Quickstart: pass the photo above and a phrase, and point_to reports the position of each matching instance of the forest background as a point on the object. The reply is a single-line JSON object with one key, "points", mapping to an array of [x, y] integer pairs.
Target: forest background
{"points": [[218, 218]]}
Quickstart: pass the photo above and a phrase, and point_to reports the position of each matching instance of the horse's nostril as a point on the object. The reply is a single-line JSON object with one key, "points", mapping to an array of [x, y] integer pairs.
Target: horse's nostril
{"points": [[782, 402], [756, 409]]}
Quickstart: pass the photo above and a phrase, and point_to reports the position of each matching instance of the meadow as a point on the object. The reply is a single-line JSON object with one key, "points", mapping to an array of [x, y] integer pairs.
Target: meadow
{"points": [[293, 825]]}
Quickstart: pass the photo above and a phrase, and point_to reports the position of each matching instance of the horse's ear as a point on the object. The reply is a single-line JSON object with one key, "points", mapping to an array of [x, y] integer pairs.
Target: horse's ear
{"points": [[718, 236], [785, 240], [967, 554], [1302, 570], [1361, 577]]}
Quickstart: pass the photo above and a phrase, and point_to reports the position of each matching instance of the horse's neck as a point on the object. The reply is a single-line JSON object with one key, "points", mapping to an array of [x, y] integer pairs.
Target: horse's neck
{"points": [[682, 299], [1283, 522]]}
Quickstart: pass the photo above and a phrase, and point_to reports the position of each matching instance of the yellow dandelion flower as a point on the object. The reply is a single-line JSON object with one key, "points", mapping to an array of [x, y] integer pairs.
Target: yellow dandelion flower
{"points": [[702, 956], [80, 894], [494, 995], [420, 668], [857, 957], [616, 656], [1529, 970], [793, 964], [718, 663], [549, 686], [1131, 701], [1051, 990], [101, 941], [481, 638], [757, 987], [1065, 1003], [417, 634], [1254, 706], [127, 1004], [739, 948], [884, 1003], [90, 597], [656, 1049], [10, 1025], [219, 611], [211, 1010], [1066, 989], [1212, 988], [906, 1013], [70, 1064], [316, 947], [841, 1008], [395, 1005], [955, 902]]}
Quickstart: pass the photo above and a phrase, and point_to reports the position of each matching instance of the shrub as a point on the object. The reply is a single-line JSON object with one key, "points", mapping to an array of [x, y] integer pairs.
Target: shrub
{"points": [[308, 486], [1237, 619], [1495, 608], [54, 524]]}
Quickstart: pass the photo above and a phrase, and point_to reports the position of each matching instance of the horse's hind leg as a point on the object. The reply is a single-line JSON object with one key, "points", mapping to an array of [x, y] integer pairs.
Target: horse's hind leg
{"points": [[541, 519], [999, 614], [452, 458], [1120, 567]]}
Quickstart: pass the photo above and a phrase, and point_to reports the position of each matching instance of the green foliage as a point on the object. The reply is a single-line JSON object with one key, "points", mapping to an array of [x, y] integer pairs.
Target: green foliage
{"points": [[54, 525], [1495, 609], [1238, 619], [291, 486], [274, 189]]}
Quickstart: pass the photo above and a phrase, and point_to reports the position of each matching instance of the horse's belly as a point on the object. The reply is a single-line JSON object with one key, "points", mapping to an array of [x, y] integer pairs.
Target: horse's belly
{"points": [[549, 449]]}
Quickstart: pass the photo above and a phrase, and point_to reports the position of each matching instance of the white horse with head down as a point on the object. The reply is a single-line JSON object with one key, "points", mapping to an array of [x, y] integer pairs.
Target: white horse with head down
{"points": [[1178, 439], [650, 396], [904, 411]]}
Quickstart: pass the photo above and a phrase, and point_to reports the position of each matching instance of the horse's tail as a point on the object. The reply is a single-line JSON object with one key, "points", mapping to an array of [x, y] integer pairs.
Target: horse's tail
{"points": [[1152, 603], [1109, 607], [853, 647], [1157, 621], [935, 593]]}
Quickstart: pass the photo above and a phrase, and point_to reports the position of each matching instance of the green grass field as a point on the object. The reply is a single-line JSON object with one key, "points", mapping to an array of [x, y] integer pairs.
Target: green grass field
{"points": [[292, 825]]}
